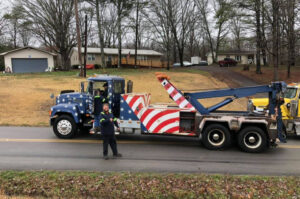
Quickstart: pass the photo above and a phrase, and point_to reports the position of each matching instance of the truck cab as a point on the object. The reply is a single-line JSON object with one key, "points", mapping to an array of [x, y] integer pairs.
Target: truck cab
{"points": [[73, 111], [290, 108]]}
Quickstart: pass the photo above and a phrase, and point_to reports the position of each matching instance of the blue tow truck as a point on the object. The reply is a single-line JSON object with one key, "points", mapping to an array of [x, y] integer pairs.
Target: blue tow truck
{"points": [[216, 129]]}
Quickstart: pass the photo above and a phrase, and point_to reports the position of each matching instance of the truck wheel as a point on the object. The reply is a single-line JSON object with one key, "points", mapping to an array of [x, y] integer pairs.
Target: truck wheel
{"points": [[216, 137], [252, 139], [64, 127]]}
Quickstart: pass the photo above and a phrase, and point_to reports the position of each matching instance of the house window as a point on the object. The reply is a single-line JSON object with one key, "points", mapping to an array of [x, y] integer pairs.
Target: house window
{"points": [[91, 57], [141, 57], [238, 58]]}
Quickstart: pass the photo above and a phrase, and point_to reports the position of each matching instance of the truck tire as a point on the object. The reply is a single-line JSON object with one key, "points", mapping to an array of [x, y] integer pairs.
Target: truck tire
{"points": [[216, 137], [64, 127], [252, 139]]}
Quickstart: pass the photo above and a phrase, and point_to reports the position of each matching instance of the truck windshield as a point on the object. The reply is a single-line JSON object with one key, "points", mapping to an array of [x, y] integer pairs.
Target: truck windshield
{"points": [[290, 93]]}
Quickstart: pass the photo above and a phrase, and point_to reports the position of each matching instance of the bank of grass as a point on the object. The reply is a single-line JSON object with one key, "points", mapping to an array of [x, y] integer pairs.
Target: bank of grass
{"points": [[47, 184]]}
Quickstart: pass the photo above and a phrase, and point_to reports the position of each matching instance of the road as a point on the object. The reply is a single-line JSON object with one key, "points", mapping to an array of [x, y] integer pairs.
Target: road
{"points": [[29, 148]]}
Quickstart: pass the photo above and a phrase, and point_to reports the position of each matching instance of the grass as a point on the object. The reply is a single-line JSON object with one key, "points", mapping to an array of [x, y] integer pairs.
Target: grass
{"points": [[267, 74], [45, 184], [25, 98]]}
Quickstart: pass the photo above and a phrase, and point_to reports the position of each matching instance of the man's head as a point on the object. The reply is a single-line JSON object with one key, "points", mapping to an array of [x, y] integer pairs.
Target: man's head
{"points": [[98, 92], [105, 86], [105, 107]]}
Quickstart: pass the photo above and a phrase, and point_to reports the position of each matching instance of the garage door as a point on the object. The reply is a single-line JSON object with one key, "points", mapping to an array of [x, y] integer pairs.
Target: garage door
{"points": [[29, 65]]}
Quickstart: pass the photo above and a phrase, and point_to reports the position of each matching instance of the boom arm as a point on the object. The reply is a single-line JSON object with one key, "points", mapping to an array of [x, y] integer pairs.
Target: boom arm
{"points": [[273, 89]]}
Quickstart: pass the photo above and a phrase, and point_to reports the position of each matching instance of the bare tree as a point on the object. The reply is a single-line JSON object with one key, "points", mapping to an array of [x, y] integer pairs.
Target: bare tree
{"points": [[52, 23], [291, 34], [123, 9], [275, 36], [202, 6], [158, 17]]}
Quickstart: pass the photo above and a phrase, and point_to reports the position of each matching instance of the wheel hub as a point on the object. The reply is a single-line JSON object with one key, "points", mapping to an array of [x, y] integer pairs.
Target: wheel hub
{"points": [[252, 139], [64, 127], [216, 136]]}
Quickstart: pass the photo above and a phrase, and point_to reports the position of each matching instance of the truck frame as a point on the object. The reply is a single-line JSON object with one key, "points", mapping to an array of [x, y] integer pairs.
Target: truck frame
{"points": [[215, 129]]}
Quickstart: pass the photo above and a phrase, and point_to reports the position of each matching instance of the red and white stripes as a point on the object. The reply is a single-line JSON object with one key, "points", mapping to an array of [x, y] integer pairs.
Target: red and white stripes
{"points": [[156, 120], [176, 95]]}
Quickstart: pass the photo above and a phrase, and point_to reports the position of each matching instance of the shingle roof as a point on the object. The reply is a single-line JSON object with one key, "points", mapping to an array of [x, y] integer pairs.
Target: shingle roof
{"points": [[114, 51], [27, 47]]}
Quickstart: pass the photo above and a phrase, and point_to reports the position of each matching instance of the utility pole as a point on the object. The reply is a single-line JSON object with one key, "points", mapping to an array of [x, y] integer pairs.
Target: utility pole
{"points": [[78, 37], [85, 46], [136, 32]]}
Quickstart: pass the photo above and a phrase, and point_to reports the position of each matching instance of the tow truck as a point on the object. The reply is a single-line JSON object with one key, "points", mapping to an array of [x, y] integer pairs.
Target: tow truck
{"points": [[215, 129], [290, 108]]}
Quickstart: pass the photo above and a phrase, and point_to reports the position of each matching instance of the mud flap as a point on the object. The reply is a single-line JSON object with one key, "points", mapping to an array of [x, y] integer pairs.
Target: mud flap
{"points": [[297, 128]]}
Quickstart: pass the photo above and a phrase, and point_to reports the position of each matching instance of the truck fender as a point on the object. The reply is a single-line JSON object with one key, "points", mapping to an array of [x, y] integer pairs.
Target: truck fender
{"points": [[70, 109]]}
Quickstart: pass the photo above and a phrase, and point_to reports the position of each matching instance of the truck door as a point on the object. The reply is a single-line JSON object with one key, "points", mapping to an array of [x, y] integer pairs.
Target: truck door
{"points": [[118, 89]]}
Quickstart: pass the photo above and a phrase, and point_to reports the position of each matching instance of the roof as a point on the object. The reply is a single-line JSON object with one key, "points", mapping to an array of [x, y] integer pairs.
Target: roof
{"points": [[114, 51], [236, 52], [105, 78], [25, 48]]}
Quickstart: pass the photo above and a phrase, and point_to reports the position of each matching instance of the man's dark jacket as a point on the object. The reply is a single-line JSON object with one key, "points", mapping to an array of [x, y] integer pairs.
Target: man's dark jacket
{"points": [[107, 126], [98, 103]]}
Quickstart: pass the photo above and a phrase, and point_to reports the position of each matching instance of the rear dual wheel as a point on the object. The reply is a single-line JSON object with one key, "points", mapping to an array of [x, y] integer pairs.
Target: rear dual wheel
{"points": [[252, 139], [216, 137]]}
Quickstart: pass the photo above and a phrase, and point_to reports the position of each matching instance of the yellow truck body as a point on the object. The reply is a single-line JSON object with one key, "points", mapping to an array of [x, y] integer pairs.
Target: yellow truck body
{"points": [[290, 109]]}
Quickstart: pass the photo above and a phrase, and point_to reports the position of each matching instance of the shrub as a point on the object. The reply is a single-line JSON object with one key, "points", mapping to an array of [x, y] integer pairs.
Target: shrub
{"points": [[97, 66], [76, 66]]}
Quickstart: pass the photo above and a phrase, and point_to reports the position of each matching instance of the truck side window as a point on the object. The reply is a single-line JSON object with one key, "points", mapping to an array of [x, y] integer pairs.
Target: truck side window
{"points": [[118, 87]]}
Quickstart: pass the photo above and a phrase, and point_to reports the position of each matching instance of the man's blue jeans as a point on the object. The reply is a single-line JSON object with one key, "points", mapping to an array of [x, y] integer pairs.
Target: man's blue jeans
{"points": [[97, 121]]}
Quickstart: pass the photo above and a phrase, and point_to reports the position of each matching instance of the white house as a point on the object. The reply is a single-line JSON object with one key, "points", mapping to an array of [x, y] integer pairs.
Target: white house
{"points": [[242, 57], [144, 57], [28, 60]]}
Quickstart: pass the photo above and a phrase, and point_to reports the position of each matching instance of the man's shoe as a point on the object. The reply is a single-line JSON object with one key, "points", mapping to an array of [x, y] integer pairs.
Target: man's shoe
{"points": [[118, 155], [105, 157]]}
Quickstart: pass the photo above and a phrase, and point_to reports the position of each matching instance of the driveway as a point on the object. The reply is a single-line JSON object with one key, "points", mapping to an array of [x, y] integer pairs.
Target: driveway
{"points": [[232, 78]]}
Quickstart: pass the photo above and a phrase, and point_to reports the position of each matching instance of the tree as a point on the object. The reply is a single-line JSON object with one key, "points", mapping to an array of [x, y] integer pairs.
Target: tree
{"points": [[275, 36], [123, 9], [291, 37], [14, 18], [202, 6], [158, 16], [223, 15], [52, 23]]}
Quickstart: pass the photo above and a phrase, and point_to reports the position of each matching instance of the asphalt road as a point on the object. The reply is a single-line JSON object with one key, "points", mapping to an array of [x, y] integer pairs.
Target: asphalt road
{"points": [[24, 148]]}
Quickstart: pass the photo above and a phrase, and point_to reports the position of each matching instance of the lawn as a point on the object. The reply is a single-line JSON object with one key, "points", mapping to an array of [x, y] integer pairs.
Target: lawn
{"points": [[25, 98], [267, 74], [45, 184]]}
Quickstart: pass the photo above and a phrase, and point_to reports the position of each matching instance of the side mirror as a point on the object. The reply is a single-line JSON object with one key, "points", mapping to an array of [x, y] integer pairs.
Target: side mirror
{"points": [[294, 108], [82, 87], [129, 86]]}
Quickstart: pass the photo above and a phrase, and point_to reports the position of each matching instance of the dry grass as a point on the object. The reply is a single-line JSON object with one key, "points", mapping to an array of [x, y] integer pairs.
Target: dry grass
{"points": [[25, 99]]}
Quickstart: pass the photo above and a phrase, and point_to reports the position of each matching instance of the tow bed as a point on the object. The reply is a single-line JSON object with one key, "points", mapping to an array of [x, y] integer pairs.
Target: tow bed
{"points": [[215, 129]]}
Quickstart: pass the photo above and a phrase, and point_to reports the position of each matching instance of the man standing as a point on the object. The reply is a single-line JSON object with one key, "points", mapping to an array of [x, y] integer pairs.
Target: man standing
{"points": [[99, 100], [107, 125]]}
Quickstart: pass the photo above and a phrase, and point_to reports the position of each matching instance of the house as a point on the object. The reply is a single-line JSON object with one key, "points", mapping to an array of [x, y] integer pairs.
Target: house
{"points": [[28, 60], [242, 57], [145, 58]]}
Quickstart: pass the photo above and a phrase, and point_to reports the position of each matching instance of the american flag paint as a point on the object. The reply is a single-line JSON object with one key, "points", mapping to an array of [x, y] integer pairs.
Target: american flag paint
{"points": [[156, 120], [176, 95]]}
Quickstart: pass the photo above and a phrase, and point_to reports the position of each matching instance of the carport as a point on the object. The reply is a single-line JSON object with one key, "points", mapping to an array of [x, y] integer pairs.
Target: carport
{"points": [[28, 60]]}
